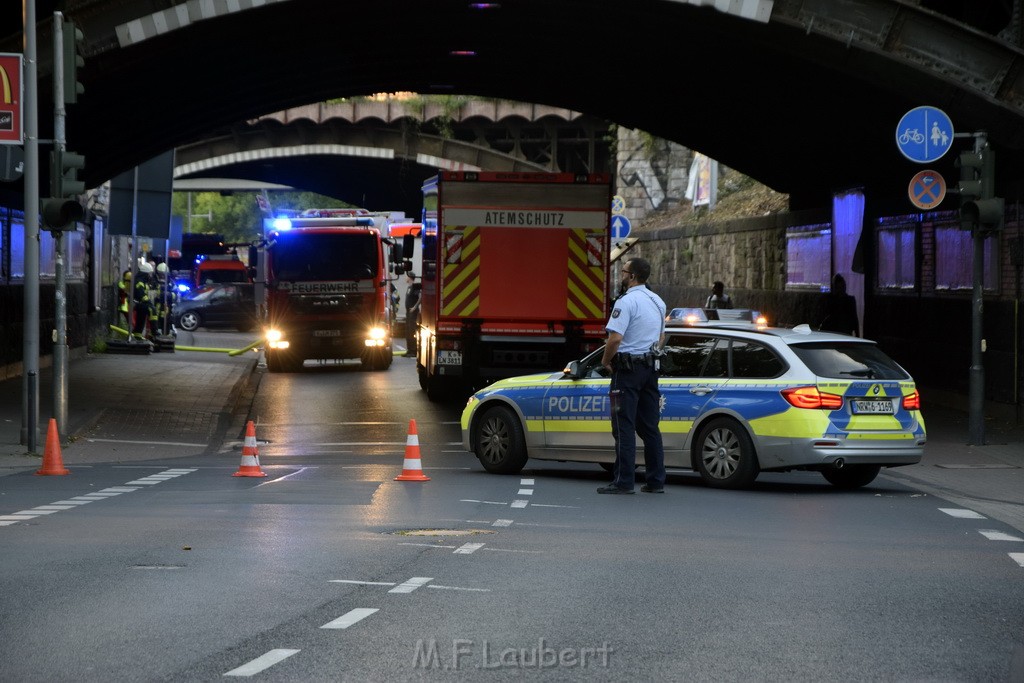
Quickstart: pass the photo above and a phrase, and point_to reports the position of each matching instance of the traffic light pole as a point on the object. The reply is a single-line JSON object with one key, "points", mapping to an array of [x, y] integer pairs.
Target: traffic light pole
{"points": [[60, 355], [30, 342], [976, 386]]}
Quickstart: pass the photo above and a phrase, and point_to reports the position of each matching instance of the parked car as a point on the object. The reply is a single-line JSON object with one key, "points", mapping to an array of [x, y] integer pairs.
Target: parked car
{"points": [[738, 399], [220, 305]]}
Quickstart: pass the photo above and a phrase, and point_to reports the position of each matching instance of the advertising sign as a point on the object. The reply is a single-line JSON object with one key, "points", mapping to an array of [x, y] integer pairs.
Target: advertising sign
{"points": [[11, 131]]}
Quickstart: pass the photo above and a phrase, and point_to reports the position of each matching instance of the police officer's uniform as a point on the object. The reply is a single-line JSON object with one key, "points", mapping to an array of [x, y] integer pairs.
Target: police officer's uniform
{"points": [[639, 316]]}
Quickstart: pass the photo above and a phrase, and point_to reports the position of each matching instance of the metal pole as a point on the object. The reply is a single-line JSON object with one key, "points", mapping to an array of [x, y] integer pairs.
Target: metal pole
{"points": [[976, 375], [30, 340], [60, 356]]}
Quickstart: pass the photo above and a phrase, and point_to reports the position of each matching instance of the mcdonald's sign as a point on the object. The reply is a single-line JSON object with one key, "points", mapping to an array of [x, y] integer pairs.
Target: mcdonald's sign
{"points": [[11, 131]]}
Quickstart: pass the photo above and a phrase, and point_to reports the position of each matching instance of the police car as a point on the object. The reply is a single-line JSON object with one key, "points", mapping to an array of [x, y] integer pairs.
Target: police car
{"points": [[738, 398]]}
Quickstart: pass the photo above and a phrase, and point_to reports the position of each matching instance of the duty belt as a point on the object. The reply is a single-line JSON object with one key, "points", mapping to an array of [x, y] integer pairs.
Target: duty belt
{"points": [[626, 361]]}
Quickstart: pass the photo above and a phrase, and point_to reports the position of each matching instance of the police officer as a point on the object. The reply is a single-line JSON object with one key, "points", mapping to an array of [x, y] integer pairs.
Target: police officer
{"points": [[636, 330]]}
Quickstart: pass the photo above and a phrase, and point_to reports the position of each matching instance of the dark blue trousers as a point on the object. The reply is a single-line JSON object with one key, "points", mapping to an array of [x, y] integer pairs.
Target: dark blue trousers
{"points": [[636, 409]]}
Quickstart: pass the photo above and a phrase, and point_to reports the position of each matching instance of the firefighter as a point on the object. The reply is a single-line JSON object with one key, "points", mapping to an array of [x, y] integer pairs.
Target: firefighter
{"points": [[142, 300], [164, 300], [122, 298]]}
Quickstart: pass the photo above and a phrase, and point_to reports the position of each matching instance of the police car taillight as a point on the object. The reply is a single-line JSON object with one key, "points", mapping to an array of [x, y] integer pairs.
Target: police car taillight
{"points": [[810, 397], [912, 401]]}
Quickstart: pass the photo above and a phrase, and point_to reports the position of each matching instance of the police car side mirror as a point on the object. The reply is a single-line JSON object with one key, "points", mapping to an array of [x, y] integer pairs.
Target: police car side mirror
{"points": [[572, 370]]}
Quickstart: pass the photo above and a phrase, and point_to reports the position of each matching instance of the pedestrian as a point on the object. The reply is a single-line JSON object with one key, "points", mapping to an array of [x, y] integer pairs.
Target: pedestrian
{"points": [[123, 286], [636, 332], [718, 298], [837, 310], [412, 312]]}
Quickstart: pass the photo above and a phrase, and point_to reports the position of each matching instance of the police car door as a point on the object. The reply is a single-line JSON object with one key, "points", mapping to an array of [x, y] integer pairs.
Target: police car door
{"points": [[575, 413], [694, 367]]}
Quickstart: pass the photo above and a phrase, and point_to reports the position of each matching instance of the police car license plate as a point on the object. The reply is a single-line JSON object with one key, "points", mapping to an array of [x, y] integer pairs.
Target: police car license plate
{"points": [[874, 407], [449, 357], [326, 333]]}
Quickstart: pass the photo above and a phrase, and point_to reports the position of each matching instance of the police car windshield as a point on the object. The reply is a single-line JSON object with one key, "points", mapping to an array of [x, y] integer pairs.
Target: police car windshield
{"points": [[844, 360]]}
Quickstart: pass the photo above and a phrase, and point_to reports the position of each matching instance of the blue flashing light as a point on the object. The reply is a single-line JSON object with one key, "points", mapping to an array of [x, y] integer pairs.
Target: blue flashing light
{"points": [[182, 287], [282, 224]]}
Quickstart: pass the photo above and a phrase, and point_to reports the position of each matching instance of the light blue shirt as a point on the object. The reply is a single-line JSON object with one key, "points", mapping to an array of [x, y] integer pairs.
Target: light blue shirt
{"points": [[639, 316]]}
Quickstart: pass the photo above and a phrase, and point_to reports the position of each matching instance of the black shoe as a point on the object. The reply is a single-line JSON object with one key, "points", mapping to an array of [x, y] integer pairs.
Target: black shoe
{"points": [[650, 489], [612, 488]]}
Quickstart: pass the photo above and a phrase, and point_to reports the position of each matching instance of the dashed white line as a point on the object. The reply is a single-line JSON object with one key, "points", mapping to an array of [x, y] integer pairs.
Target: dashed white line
{"points": [[363, 583], [526, 482], [458, 588], [262, 662], [351, 617], [998, 535], [520, 503], [485, 502], [543, 505], [502, 522], [525, 492], [54, 507], [468, 548], [411, 585], [429, 545], [1018, 558], [961, 513]]}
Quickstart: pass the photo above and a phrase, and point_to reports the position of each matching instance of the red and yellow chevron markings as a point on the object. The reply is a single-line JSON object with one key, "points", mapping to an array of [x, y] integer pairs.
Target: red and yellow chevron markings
{"points": [[460, 278], [585, 282]]}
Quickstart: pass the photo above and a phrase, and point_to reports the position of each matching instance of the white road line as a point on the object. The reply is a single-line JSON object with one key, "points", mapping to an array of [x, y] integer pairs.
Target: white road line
{"points": [[999, 536], [520, 503], [961, 513], [70, 502], [363, 583], [54, 507], [20, 517], [502, 522], [351, 617], [543, 505], [147, 482], [119, 489], [1018, 558], [428, 545], [524, 492], [411, 585], [36, 511], [457, 588], [262, 662], [5, 522], [274, 481], [468, 548], [485, 502], [526, 482], [509, 550], [149, 443]]}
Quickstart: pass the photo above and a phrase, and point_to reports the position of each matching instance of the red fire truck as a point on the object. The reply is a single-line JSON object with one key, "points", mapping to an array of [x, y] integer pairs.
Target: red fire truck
{"points": [[324, 289], [515, 275]]}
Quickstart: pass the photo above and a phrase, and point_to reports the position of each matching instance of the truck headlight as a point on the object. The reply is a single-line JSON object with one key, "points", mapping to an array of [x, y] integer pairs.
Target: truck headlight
{"points": [[376, 336], [275, 339]]}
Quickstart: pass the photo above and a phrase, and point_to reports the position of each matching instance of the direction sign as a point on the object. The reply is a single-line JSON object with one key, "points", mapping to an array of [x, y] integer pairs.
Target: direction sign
{"points": [[927, 190], [924, 134], [620, 227]]}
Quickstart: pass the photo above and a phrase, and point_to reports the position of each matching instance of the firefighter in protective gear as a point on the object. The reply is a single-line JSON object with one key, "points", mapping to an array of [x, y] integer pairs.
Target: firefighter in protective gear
{"points": [[123, 285], [163, 301], [142, 300]]}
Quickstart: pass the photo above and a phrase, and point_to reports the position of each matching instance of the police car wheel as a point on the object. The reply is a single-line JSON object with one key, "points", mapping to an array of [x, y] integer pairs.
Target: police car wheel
{"points": [[499, 442], [725, 455], [189, 321], [851, 476]]}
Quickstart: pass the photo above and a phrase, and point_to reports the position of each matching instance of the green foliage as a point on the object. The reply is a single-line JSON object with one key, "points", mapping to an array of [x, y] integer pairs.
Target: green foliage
{"points": [[237, 216]]}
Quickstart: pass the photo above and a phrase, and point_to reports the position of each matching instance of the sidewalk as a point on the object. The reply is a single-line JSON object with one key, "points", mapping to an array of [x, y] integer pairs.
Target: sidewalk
{"points": [[186, 403]]}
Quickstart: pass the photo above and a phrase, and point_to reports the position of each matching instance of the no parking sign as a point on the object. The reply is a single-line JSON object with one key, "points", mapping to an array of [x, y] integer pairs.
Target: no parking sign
{"points": [[927, 190]]}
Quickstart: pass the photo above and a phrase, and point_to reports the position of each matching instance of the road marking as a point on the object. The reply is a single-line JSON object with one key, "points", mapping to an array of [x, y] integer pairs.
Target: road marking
{"points": [[411, 585], [150, 443], [998, 536], [1018, 558], [520, 503], [55, 507], [485, 502], [526, 482], [352, 617], [262, 662], [120, 489], [274, 481], [468, 548], [457, 588], [524, 492], [36, 511], [544, 505], [502, 522], [71, 502], [428, 545], [509, 550], [961, 513], [363, 583]]}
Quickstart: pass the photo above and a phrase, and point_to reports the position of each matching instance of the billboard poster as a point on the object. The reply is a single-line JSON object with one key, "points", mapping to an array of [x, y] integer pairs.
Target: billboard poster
{"points": [[11, 131]]}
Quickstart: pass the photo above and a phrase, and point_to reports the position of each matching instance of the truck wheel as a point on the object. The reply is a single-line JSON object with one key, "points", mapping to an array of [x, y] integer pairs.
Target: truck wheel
{"points": [[851, 476], [278, 361], [499, 443], [725, 455]]}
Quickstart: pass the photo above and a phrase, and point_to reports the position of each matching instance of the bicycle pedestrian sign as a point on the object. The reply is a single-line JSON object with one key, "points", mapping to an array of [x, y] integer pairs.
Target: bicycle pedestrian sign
{"points": [[924, 134], [927, 190]]}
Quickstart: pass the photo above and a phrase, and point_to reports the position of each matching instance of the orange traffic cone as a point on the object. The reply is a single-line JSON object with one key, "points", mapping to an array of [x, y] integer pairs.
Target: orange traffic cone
{"points": [[412, 469], [53, 463], [250, 466]]}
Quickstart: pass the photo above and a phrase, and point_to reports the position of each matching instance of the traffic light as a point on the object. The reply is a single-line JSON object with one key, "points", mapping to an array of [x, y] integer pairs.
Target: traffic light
{"points": [[62, 207], [64, 167], [72, 48], [979, 207]]}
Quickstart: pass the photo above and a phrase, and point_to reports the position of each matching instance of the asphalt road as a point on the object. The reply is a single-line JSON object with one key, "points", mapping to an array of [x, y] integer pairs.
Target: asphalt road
{"points": [[328, 569]]}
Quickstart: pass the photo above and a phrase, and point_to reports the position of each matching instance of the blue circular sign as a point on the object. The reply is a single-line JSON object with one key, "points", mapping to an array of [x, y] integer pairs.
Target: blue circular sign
{"points": [[620, 227], [924, 134]]}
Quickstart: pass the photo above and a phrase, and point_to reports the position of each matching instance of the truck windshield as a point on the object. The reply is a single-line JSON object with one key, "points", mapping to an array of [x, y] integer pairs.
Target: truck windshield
{"points": [[320, 256]]}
